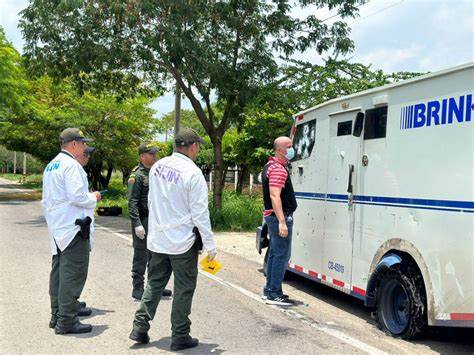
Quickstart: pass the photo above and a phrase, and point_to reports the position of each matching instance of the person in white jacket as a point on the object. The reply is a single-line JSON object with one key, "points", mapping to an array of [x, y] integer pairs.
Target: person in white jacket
{"points": [[178, 204], [67, 206]]}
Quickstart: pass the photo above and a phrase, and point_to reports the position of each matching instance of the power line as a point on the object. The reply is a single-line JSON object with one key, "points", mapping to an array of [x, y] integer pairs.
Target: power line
{"points": [[338, 14], [361, 18], [377, 12]]}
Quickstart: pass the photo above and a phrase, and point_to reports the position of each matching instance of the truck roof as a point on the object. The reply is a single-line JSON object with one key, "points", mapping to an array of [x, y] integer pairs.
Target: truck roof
{"points": [[389, 86]]}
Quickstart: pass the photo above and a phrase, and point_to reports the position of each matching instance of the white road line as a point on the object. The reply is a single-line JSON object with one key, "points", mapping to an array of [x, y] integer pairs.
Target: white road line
{"points": [[290, 312], [120, 235]]}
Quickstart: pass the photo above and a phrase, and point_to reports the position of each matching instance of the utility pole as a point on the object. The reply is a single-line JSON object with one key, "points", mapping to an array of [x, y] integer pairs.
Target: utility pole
{"points": [[24, 163], [177, 109], [14, 162]]}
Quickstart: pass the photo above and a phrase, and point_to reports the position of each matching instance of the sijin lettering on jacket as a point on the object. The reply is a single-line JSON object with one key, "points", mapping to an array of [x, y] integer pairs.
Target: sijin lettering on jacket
{"points": [[168, 174]]}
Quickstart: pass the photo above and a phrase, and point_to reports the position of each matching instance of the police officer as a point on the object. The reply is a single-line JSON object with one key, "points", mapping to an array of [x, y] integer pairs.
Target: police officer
{"points": [[178, 204], [138, 211], [67, 205], [84, 158]]}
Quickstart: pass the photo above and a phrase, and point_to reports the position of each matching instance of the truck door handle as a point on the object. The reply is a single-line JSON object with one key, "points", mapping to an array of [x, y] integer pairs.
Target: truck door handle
{"points": [[349, 185]]}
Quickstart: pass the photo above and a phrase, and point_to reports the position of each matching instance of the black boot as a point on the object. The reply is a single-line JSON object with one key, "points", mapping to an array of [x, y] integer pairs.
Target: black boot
{"points": [[139, 337], [83, 312], [53, 321], [76, 328], [183, 343], [166, 293]]}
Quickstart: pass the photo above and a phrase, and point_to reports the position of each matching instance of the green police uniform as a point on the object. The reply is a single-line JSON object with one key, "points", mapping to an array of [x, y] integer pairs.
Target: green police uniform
{"points": [[138, 211]]}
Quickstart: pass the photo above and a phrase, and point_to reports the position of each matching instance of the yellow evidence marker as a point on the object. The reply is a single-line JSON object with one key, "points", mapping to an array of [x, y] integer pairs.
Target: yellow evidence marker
{"points": [[211, 267]]}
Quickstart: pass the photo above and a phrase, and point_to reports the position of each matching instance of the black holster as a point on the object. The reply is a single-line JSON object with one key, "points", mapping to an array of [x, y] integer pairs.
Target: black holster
{"points": [[198, 241], [85, 225]]}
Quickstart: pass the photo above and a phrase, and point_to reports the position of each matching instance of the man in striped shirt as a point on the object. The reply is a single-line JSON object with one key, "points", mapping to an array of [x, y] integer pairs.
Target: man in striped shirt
{"points": [[280, 203]]}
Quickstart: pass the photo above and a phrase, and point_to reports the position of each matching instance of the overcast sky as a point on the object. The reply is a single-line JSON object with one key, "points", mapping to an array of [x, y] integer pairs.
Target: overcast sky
{"points": [[393, 35]]}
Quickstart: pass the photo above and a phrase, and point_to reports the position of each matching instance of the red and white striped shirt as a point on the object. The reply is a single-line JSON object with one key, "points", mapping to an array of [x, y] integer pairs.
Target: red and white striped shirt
{"points": [[277, 175]]}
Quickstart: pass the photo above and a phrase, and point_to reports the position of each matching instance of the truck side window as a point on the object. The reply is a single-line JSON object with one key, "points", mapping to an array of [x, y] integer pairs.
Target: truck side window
{"points": [[375, 123], [344, 128], [304, 139]]}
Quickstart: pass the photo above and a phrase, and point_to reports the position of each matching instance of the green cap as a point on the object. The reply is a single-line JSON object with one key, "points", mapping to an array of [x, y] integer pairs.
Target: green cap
{"points": [[73, 134], [147, 148], [187, 136]]}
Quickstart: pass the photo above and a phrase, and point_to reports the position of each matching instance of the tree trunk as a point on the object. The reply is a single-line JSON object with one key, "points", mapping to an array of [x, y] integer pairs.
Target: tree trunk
{"points": [[177, 109], [107, 178], [125, 175], [218, 182], [240, 181], [95, 171]]}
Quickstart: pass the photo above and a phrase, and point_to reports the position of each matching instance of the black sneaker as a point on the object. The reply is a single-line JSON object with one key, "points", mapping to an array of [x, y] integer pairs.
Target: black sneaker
{"points": [[279, 301], [182, 343], [139, 337], [77, 328], [166, 293], [82, 304]]}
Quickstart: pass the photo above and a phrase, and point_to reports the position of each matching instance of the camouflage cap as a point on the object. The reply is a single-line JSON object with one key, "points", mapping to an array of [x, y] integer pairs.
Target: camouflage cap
{"points": [[147, 148], [187, 136], [73, 134]]}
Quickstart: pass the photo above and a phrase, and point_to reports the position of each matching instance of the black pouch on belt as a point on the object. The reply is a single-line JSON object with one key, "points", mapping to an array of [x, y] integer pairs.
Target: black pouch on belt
{"points": [[198, 241], [85, 225]]}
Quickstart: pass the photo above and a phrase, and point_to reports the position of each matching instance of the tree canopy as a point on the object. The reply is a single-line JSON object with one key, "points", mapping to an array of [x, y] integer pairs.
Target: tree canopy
{"points": [[117, 127], [13, 83], [226, 48]]}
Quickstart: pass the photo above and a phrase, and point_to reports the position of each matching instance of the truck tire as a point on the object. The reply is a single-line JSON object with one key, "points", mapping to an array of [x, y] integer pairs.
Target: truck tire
{"points": [[400, 309]]}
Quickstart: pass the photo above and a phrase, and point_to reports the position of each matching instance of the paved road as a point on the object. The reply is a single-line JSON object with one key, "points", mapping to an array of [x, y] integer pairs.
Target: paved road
{"points": [[228, 315]]}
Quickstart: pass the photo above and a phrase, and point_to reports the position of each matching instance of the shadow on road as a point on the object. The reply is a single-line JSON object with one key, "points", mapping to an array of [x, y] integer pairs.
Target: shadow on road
{"points": [[164, 344], [98, 312], [37, 222], [12, 202], [96, 331], [439, 339]]}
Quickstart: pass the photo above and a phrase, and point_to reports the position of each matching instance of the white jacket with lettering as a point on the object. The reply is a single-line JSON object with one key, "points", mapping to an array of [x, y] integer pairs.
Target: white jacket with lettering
{"points": [[178, 202], [66, 198]]}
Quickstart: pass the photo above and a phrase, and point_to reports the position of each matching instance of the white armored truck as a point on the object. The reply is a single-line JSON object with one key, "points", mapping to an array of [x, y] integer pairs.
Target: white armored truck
{"points": [[385, 186]]}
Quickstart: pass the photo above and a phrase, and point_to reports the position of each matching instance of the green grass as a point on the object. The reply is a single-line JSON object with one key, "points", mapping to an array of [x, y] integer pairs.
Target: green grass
{"points": [[116, 195], [239, 213], [33, 181]]}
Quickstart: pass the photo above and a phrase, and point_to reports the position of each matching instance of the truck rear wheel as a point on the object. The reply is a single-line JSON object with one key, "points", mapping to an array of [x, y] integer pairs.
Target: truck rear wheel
{"points": [[401, 302]]}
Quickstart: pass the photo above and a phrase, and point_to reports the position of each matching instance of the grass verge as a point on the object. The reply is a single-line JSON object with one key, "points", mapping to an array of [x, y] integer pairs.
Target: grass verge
{"points": [[33, 181]]}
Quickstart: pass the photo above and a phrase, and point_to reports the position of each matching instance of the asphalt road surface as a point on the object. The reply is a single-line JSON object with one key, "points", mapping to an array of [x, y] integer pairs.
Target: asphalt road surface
{"points": [[228, 314]]}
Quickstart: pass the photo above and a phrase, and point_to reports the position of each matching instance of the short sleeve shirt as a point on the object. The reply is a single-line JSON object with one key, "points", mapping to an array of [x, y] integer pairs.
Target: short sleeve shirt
{"points": [[277, 175]]}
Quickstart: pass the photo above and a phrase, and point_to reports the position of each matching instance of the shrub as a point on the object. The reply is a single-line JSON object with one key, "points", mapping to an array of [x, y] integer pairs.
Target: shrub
{"points": [[238, 213]]}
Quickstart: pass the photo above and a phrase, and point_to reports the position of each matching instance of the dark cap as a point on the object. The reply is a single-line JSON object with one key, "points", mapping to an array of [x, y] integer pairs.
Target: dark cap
{"points": [[73, 134], [147, 148], [187, 136], [89, 151]]}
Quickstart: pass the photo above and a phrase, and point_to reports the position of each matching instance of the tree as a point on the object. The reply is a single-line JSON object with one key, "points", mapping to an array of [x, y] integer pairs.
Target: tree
{"points": [[226, 48], [117, 127], [188, 118], [13, 83], [300, 86]]}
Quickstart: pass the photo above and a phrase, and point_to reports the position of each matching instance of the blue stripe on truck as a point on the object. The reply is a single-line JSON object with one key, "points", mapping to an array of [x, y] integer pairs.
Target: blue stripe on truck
{"points": [[439, 205]]}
